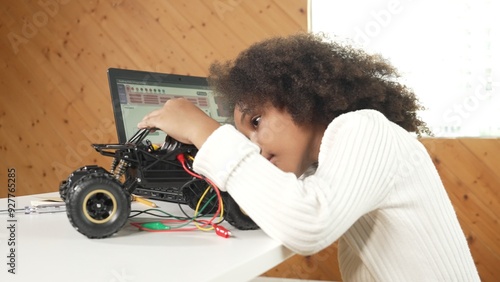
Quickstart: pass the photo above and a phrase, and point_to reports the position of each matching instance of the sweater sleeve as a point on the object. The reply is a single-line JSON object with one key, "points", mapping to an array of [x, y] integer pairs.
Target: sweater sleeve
{"points": [[356, 169]]}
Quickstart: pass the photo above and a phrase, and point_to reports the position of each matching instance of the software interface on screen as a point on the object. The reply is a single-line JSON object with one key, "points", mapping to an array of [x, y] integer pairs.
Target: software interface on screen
{"points": [[138, 98]]}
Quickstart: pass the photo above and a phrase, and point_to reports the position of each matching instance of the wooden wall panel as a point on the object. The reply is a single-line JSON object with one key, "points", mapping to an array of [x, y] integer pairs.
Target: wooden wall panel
{"points": [[470, 171], [55, 98]]}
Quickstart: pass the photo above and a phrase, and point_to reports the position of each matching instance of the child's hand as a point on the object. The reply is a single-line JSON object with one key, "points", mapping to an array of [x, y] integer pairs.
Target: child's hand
{"points": [[181, 120]]}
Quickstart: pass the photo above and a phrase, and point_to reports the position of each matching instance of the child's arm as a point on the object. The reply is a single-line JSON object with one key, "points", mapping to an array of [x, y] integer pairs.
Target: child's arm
{"points": [[356, 168]]}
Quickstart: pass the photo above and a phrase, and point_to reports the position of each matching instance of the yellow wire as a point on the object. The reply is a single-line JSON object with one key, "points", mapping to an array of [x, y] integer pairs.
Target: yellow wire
{"points": [[221, 215], [196, 211], [221, 204]]}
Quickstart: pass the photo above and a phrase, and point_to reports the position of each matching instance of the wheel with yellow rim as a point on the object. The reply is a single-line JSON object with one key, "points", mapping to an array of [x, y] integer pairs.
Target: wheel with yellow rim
{"points": [[97, 205]]}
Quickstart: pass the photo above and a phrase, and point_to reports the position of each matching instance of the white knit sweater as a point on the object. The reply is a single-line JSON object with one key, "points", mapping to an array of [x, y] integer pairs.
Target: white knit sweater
{"points": [[375, 190]]}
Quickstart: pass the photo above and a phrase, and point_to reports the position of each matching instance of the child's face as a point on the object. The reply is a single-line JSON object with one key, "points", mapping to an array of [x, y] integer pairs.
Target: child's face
{"points": [[290, 147]]}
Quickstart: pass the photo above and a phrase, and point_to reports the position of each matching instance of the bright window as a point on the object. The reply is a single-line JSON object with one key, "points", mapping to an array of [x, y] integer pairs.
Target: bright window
{"points": [[447, 51]]}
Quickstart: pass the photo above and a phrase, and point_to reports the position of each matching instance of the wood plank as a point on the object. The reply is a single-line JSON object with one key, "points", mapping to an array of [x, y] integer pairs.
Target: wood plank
{"points": [[472, 211], [485, 259], [214, 31], [185, 42], [267, 14], [487, 150], [140, 44], [480, 224], [471, 203], [296, 10], [27, 129], [470, 170]]}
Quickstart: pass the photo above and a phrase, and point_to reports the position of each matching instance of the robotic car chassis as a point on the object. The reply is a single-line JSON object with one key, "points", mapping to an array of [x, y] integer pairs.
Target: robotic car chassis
{"points": [[98, 202]]}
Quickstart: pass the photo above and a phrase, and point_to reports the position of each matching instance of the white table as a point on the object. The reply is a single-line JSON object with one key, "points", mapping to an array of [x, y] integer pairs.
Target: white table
{"points": [[50, 249]]}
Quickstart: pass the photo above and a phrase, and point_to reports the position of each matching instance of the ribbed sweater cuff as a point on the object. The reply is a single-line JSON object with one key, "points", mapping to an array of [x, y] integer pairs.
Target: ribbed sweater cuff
{"points": [[221, 152]]}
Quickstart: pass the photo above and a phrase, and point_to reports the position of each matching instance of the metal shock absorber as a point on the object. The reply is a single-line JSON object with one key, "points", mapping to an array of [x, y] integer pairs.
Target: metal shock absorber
{"points": [[113, 166], [120, 169]]}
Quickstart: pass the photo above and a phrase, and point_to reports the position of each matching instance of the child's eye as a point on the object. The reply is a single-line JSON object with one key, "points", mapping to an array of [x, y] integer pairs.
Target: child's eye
{"points": [[255, 121]]}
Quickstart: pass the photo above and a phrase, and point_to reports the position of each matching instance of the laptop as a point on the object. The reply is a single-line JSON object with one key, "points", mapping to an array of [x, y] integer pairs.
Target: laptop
{"points": [[136, 93]]}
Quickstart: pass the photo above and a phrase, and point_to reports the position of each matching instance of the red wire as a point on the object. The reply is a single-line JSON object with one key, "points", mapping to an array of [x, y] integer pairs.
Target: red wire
{"points": [[182, 160]]}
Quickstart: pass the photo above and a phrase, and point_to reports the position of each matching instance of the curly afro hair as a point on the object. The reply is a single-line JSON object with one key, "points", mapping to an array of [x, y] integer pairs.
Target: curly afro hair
{"points": [[315, 81]]}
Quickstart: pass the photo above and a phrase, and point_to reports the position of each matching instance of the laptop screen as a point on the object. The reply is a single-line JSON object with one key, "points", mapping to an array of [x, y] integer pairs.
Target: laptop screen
{"points": [[135, 93]]}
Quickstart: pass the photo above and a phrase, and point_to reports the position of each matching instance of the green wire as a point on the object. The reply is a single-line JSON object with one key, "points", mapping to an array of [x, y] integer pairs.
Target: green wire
{"points": [[160, 226]]}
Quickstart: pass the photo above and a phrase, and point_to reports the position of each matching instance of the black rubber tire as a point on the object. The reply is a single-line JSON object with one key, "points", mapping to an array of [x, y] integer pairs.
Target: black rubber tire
{"points": [[235, 216], [63, 189], [97, 205], [65, 184]]}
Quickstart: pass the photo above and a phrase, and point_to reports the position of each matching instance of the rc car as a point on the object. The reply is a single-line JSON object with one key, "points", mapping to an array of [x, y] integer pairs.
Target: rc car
{"points": [[98, 201]]}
